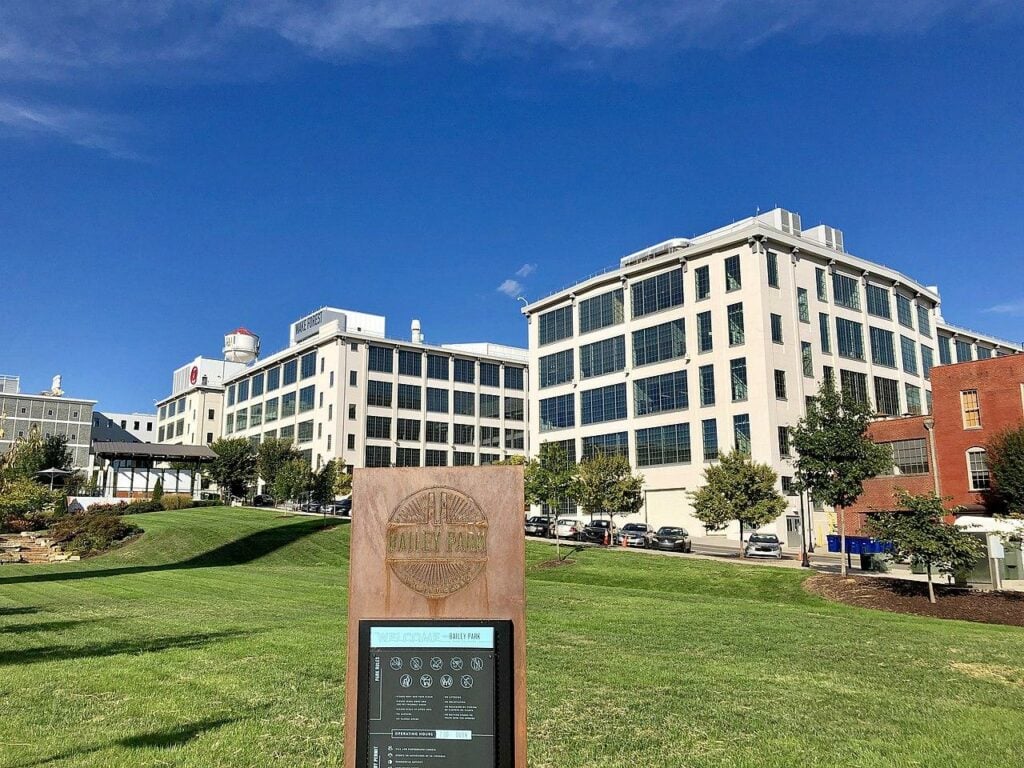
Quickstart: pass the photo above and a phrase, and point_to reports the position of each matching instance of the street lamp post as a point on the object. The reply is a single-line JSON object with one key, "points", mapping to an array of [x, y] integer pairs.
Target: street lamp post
{"points": [[805, 561]]}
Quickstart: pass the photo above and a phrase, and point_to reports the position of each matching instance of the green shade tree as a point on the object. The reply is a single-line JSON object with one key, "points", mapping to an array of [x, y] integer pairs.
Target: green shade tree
{"points": [[342, 480], [738, 488], [294, 479], [1005, 457], [272, 454], [234, 469], [920, 532], [834, 453], [605, 485], [55, 453], [323, 482]]}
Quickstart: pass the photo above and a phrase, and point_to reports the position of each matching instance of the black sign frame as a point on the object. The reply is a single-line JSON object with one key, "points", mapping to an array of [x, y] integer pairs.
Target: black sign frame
{"points": [[504, 683]]}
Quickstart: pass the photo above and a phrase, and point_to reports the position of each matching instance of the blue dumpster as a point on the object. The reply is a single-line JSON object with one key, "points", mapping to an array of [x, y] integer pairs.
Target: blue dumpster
{"points": [[833, 542]]}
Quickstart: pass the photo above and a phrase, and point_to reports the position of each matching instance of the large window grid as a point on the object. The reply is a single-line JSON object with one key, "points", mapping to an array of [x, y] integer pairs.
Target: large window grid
{"points": [[288, 405], [410, 363], [380, 359], [407, 457], [408, 429], [437, 400], [772, 264], [490, 375], [824, 332], [927, 361], [554, 325], [882, 349], [435, 458], [849, 339], [908, 352], [465, 403], [776, 325], [904, 310], [410, 397], [555, 369], [465, 371], [945, 357], [780, 384], [602, 357], [305, 432], [669, 444], [855, 385], [654, 294], [307, 398], [378, 427], [887, 396], [878, 302], [807, 359], [490, 437], [784, 447], [437, 432], [659, 343], [557, 412], [603, 404], [963, 351], [290, 372], [307, 366], [515, 439], [378, 393], [514, 408], [913, 399], [659, 394], [463, 434], [909, 457], [845, 291], [378, 456], [490, 406], [924, 324], [970, 407], [820, 284], [437, 367], [601, 311], [614, 444], [513, 378]]}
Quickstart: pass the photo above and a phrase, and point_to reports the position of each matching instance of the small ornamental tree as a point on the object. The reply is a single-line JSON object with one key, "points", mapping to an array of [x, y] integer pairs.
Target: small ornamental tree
{"points": [[342, 481], [605, 485], [323, 482], [738, 488], [158, 489], [1005, 457], [234, 469], [55, 453], [920, 533], [550, 479], [834, 453]]}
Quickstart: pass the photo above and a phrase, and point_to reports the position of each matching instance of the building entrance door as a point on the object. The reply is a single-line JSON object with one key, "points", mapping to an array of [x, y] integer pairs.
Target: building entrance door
{"points": [[793, 532]]}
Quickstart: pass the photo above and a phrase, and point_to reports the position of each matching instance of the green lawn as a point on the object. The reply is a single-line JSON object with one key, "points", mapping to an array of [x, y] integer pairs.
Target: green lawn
{"points": [[217, 639]]}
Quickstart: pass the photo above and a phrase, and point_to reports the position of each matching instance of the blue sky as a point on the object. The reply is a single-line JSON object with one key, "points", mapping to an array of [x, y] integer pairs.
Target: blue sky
{"points": [[173, 169]]}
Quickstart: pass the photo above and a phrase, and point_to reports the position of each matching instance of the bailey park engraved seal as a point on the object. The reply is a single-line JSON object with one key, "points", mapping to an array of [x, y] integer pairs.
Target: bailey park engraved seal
{"points": [[437, 541]]}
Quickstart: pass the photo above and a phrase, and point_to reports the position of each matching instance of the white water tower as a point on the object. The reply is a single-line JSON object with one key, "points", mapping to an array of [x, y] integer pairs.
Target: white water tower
{"points": [[241, 346]]}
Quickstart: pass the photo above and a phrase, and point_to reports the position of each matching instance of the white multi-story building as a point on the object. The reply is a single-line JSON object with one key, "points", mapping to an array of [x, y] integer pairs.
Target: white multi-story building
{"points": [[342, 389], [694, 346], [194, 411], [50, 412], [108, 426]]}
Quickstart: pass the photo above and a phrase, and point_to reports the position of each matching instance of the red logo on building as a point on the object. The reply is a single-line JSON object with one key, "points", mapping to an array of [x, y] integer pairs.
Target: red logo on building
{"points": [[193, 375]]}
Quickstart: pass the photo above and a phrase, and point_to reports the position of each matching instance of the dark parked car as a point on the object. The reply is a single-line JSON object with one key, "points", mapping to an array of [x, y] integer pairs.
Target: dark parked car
{"points": [[538, 525], [262, 500], [634, 535], [763, 545], [672, 538], [597, 532]]}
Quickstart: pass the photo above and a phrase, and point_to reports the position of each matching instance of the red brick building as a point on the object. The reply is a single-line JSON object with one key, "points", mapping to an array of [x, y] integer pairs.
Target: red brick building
{"points": [[913, 467], [972, 402]]}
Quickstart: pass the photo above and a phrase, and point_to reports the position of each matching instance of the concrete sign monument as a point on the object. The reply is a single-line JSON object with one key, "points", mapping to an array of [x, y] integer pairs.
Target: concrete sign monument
{"points": [[436, 628]]}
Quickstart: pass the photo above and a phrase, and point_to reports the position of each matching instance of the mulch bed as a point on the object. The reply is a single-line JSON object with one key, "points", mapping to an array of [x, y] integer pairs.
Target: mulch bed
{"points": [[902, 596]]}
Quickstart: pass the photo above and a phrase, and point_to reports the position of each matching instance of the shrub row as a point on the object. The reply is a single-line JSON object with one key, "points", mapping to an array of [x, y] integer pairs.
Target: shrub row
{"points": [[89, 532], [171, 501]]}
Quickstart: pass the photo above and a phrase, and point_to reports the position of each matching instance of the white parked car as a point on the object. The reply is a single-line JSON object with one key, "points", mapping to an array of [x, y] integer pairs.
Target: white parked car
{"points": [[568, 528]]}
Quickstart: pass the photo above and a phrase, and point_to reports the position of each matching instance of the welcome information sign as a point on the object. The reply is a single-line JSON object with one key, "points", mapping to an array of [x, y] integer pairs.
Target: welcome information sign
{"points": [[435, 693]]}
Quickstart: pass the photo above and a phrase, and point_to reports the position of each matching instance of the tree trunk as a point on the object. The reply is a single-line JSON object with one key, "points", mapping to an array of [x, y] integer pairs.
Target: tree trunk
{"points": [[931, 587], [743, 552], [842, 540]]}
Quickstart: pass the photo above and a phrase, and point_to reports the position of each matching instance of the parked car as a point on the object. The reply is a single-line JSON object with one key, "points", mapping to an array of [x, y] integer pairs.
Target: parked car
{"points": [[634, 535], [763, 545], [262, 500], [568, 528], [309, 506], [672, 538], [597, 532], [538, 525]]}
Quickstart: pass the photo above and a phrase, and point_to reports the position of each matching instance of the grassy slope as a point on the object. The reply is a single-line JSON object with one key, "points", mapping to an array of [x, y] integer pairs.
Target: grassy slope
{"points": [[217, 640]]}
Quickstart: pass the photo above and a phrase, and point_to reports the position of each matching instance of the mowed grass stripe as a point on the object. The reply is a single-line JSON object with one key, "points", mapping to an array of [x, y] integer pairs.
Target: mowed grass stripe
{"points": [[217, 639]]}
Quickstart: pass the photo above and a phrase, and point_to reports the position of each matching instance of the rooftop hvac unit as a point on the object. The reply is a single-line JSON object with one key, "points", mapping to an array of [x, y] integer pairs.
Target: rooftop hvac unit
{"points": [[789, 222]]}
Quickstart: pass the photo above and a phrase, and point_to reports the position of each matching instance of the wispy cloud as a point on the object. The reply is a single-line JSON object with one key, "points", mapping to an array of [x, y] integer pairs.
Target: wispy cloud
{"points": [[526, 270], [85, 38], [511, 288], [1015, 308], [80, 127]]}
